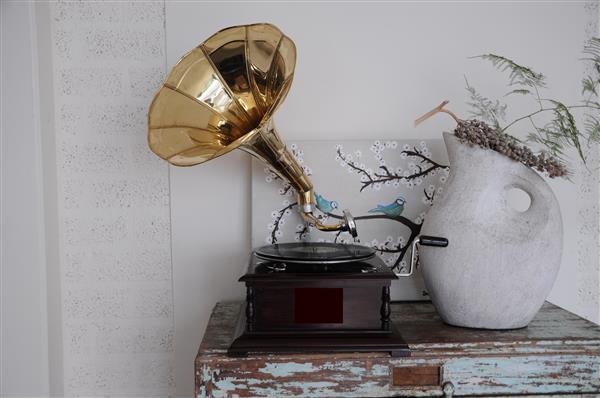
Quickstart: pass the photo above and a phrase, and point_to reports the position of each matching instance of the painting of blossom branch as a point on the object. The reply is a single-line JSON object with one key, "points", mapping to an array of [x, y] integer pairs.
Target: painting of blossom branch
{"points": [[387, 185]]}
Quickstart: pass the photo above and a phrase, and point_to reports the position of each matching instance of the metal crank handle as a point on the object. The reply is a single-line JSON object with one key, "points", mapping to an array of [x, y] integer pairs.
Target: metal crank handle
{"points": [[423, 240]]}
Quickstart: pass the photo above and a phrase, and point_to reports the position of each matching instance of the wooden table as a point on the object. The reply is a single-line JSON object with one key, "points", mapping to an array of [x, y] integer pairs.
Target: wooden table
{"points": [[558, 354]]}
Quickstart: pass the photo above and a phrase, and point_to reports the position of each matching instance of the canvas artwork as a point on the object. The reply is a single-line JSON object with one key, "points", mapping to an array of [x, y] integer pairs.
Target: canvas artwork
{"points": [[388, 186]]}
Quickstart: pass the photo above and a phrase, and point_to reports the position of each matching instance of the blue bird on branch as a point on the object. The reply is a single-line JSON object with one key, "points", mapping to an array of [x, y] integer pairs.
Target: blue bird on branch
{"points": [[394, 209], [326, 206]]}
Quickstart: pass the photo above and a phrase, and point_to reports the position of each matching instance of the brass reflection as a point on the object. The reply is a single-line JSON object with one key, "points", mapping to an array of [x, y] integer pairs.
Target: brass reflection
{"points": [[221, 96]]}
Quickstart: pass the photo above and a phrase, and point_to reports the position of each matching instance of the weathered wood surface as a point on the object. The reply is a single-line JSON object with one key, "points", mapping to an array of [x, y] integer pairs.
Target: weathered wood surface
{"points": [[559, 353]]}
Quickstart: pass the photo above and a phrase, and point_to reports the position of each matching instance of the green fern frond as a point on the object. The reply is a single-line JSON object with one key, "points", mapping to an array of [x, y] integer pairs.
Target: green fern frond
{"points": [[589, 86], [592, 50], [519, 75], [520, 91], [564, 127], [592, 128], [484, 108]]}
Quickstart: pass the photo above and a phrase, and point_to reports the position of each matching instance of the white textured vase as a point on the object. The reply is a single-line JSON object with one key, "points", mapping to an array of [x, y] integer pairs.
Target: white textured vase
{"points": [[500, 264]]}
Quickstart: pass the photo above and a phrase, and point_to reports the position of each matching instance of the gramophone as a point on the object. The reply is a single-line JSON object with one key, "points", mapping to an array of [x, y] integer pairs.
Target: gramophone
{"points": [[300, 296]]}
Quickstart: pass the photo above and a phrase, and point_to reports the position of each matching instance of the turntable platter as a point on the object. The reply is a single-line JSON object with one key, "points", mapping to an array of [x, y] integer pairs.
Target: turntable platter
{"points": [[315, 252]]}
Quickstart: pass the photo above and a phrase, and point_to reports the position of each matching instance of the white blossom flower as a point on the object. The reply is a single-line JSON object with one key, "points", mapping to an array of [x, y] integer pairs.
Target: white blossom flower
{"points": [[406, 147], [269, 240], [423, 144], [268, 179], [377, 186], [299, 227], [278, 234], [274, 214], [287, 212], [443, 179], [358, 153], [338, 147], [394, 144], [285, 202]]}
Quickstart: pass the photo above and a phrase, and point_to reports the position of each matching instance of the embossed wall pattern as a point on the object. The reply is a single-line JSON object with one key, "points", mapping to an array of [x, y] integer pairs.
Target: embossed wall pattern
{"points": [[117, 306], [588, 214]]}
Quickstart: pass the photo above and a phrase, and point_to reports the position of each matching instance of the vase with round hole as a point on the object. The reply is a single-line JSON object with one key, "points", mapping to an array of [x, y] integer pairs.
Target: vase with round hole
{"points": [[500, 263]]}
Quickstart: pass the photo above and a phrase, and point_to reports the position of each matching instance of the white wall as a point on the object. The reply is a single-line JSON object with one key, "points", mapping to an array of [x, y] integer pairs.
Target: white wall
{"points": [[108, 58], [364, 70], [23, 276]]}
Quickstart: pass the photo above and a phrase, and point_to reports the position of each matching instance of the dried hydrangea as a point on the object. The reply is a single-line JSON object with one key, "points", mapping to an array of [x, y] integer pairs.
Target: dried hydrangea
{"points": [[477, 132]]}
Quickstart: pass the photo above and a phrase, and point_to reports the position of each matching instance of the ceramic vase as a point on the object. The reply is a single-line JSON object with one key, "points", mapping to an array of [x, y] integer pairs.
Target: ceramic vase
{"points": [[500, 263]]}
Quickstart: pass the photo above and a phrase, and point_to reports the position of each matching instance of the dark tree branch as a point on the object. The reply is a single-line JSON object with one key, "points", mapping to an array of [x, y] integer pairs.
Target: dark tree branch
{"points": [[355, 167], [415, 153], [277, 220], [303, 231], [387, 175]]}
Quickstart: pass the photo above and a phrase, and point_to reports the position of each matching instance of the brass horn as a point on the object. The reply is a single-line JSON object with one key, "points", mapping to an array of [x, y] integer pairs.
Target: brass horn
{"points": [[221, 96]]}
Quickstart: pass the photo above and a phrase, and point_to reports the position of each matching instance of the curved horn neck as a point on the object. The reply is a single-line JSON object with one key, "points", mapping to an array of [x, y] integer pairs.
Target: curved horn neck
{"points": [[266, 145]]}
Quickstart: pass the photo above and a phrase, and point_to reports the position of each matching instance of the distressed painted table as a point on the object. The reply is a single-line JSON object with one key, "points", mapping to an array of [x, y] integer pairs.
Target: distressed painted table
{"points": [[558, 354]]}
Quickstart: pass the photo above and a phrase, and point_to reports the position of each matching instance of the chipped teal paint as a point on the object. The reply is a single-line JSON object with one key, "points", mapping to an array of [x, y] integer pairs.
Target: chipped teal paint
{"points": [[287, 369], [356, 371], [206, 376], [524, 374], [380, 370]]}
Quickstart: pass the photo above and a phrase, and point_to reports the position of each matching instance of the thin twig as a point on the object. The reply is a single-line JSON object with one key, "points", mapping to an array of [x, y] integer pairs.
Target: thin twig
{"points": [[437, 109]]}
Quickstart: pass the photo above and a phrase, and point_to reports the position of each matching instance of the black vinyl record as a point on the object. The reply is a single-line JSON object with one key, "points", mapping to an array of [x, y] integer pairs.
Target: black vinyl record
{"points": [[315, 252]]}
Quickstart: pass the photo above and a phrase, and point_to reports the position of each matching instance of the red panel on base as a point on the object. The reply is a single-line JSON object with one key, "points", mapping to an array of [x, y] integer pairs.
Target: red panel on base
{"points": [[318, 305]]}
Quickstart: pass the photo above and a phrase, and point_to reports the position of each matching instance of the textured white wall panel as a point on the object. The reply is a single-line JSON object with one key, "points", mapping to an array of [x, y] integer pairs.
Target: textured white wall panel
{"points": [[588, 216], [109, 58]]}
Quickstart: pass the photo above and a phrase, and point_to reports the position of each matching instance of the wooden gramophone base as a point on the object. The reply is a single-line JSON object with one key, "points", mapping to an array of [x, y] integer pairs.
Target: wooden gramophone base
{"points": [[281, 343]]}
